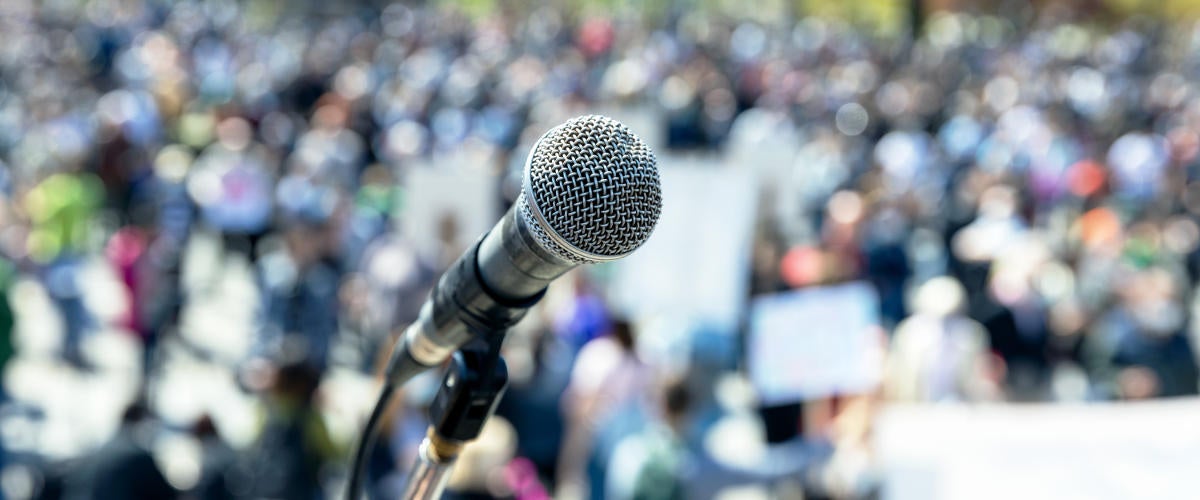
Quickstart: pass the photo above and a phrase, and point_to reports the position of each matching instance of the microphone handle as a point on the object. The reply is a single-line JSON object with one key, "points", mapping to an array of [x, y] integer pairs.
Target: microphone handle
{"points": [[488, 289], [513, 264]]}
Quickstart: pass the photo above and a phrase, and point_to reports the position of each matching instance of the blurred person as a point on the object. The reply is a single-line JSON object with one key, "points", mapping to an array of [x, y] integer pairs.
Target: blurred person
{"points": [[61, 209], [123, 467], [607, 386], [478, 467], [1135, 383], [684, 111], [992, 257], [1137, 160], [146, 252], [765, 261], [294, 445], [584, 317], [8, 277], [939, 354], [121, 163], [396, 280], [301, 294], [523, 479], [330, 150], [887, 262], [1139, 348], [126, 253], [538, 375], [654, 461], [231, 183], [161, 223], [449, 240], [218, 462], [370, 214]]}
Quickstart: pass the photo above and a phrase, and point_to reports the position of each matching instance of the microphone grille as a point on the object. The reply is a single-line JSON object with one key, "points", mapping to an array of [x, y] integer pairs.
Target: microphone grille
{"points": [[591, 191]]}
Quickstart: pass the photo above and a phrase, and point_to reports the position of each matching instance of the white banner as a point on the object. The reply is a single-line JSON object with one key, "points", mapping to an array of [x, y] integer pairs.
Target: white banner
{"points": [[1061, 452], [460, 201], [815, 342], [695, 267]]}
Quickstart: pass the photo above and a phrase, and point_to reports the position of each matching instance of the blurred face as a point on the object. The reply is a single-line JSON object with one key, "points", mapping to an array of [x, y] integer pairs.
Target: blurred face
{"points": [[305, 244], [1137, 382]]}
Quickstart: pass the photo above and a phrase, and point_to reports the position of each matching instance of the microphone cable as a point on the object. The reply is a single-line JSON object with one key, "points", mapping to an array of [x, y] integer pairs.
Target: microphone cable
{"points": [[366, 442]]}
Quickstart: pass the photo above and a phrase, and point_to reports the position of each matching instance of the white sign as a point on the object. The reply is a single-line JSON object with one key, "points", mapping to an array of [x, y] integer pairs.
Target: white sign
{"points": [[815, 342], [437, 200], [1064, 451], [695, 267]]}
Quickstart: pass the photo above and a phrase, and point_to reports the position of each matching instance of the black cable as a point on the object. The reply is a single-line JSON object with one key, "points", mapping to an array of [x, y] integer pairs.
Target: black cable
{"points": [[366, 442]]}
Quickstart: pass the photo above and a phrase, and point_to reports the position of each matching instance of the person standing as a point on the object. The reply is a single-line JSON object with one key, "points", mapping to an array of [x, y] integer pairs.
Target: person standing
{"points": [[123, 467]]}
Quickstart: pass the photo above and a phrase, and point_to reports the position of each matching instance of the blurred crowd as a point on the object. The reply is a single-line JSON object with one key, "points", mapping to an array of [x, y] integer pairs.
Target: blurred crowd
{"points": [[1021, 189]]}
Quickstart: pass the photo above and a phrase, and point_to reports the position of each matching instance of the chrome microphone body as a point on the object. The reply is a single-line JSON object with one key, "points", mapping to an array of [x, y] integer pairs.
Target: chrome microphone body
{"points": [[590, 194], [491, 285]]}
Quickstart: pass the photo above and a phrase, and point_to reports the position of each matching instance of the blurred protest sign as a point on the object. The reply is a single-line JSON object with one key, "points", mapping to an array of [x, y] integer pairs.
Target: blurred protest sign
{"points": [[696, 264], [1094, 451], [447, 206], [815, 342]]}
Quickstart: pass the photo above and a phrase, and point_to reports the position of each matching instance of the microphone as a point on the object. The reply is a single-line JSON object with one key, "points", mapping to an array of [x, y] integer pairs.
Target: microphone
{"points": [[590, 193]]}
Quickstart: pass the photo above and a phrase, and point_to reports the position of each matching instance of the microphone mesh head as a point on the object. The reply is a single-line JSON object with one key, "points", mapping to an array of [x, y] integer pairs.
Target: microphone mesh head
{"points": [[591, 191]]}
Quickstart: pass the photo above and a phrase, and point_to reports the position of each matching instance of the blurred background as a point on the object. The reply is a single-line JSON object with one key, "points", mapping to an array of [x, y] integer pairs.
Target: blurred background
{"points": [[909, 249]]}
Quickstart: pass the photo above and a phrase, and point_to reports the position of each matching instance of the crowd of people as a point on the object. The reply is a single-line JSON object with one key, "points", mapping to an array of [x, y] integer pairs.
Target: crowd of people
{"points": [[1020, 188]]}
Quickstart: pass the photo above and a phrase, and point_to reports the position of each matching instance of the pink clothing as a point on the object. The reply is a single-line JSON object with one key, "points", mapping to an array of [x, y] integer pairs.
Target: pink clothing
{"points": [[124, 251]]}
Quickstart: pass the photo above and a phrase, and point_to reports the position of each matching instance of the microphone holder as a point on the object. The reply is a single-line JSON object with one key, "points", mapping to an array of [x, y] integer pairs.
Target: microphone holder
{"points": [[475, 381], [473, 385]]}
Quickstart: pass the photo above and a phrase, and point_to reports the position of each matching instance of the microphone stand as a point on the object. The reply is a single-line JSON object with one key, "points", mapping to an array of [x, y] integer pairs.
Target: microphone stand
{"points": [[475, 380], [474, 383]]}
